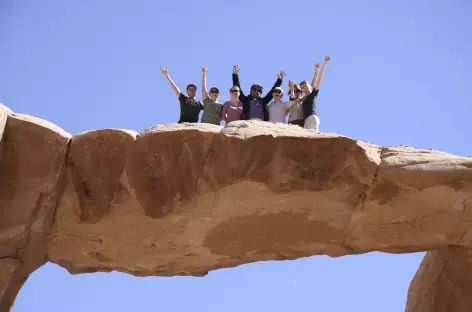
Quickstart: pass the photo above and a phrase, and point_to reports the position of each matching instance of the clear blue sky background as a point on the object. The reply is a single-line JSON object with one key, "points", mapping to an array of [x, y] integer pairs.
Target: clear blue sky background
{"points": [[400, 74]]}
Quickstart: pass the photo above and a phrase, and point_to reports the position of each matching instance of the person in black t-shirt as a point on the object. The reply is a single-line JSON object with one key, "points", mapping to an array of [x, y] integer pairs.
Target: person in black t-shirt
{"points": [[310, 118], [189, 107]]}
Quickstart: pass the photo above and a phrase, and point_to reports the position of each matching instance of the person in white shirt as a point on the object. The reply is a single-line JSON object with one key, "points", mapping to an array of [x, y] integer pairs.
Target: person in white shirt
{"points": [[277, 108]]}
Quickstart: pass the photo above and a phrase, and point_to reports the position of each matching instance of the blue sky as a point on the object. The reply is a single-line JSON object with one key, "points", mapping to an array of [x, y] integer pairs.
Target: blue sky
{"points": [[400, 73]]}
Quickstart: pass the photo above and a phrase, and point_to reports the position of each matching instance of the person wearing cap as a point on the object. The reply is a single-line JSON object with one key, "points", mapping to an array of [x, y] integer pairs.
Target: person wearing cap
{"points": [[277, 108], [233, 108], [211, 106], [189, 107], [310, 119], [255, 106]]}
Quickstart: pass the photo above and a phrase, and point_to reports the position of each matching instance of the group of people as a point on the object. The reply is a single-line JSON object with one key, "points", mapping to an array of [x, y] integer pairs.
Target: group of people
{"points": [[300, 107]]}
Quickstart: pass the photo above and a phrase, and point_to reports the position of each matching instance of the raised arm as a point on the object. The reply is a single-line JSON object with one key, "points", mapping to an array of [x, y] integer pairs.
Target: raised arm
{"points": [[204, 84], [320, 75], [313, 82], [176, 89], [291, 93], [268, 97], [236, 82], [242, 96], [291, 100]]}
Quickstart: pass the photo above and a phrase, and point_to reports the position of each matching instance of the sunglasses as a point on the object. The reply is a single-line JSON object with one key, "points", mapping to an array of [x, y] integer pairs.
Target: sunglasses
{"points": [[296, 90], [257, 90], [234, 91], [214, 91], [277, 92]]}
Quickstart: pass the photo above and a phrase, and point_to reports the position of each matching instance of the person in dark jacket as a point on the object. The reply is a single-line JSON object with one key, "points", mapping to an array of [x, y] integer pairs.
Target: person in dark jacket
{"points": [[255, 106]]}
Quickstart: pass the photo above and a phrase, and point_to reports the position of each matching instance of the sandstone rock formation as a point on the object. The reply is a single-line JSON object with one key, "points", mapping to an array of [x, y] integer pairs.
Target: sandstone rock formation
{"points": [[443, 282], [189, 198], [31, 163]]}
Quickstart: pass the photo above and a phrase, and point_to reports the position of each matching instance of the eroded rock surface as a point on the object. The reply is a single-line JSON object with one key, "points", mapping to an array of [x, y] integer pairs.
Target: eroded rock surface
{"points": [[32, 154], [191, 198], [443, 282], [184, 199], [421, 200]]}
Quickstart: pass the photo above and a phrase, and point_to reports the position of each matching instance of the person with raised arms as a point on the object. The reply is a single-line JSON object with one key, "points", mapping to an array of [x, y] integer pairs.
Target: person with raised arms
{"points": [[211, 107], [255, 106], [189, 107], [277, 108], [294, 105], [310, 119]]}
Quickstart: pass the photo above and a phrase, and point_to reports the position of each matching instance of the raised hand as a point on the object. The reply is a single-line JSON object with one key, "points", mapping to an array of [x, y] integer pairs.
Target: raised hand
{"points": [[328, 58], [235, 69], [164, 71], [290, 84], [317, 66], [281, 75], [204, 69]]}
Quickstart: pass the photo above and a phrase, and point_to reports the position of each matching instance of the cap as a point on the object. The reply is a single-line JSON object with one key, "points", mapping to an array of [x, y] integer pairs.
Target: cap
{"points": [[278, 88], [297, 87], [234, 88]]}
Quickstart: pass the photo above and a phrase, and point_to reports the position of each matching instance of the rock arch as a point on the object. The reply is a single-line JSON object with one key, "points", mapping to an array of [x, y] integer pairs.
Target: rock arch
{"points": [[185, 199]]}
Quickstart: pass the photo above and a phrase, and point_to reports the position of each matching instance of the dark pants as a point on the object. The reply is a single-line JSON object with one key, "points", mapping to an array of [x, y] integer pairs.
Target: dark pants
{"points": [[298, 122]]}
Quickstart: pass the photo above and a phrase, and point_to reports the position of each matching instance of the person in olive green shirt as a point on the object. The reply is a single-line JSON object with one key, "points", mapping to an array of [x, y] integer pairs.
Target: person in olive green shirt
{"points": [[211, 107]]}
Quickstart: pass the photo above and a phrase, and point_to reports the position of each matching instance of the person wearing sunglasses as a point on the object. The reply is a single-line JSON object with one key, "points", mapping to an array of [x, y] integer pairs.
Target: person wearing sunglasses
{"points": [[233, 108], [211, 106], [255, 106], [310, 119], [189, 107], [294, 105], [277, 108]]}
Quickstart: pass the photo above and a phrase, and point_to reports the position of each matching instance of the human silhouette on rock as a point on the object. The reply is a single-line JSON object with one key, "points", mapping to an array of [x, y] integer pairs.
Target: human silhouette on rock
{"points": [[255, 106], [211, 107], [309, 115], [189, 107]]}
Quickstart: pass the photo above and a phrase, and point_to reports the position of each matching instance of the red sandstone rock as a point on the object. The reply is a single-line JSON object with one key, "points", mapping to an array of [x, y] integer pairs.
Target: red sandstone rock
{"points": [[189, 198]]}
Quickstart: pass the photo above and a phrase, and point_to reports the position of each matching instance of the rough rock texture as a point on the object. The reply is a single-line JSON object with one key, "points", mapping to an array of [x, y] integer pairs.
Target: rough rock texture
{"points": [[443, 282], [189, 198], [32, 154]]}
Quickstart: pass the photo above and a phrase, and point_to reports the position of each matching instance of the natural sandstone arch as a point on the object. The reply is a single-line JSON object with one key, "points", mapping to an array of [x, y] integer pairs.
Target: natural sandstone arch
{"points": [[32, 153], [189, 198]]}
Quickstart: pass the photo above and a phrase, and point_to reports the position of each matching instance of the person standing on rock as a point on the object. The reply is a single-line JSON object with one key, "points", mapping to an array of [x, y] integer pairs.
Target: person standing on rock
{"points": [[310, 119], [211, 107], [255, 106], [277, 108], [232, 109], [294, 105], [189, 107]]}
